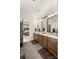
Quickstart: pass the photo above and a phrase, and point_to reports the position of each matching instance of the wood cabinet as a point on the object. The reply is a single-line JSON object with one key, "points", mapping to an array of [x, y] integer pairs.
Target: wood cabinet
{"points": [[44, 41], [39, 38], [50, 43], [35, 37], [53, 46]]}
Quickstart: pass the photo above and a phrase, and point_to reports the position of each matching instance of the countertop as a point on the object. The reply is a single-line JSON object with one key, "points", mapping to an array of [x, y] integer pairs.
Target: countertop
{"points": [[51, 35]]}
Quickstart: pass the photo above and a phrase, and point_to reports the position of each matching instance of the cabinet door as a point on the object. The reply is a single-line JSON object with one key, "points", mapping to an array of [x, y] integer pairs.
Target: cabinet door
{"points": [[35, 37], [44, 41], [39, 39], [52, 46]]}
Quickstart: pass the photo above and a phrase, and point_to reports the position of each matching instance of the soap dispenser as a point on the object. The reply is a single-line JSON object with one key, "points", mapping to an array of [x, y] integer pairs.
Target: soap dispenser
{"points": [[54, 30]]}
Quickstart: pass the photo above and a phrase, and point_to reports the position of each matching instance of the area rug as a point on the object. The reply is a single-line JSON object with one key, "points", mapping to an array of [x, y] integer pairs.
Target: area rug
{"points": [[34, 42], [46, 54], [22, 57]]}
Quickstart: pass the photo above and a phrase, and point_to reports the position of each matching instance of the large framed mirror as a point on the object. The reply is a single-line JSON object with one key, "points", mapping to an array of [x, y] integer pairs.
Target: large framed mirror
{"points": [[52, 24]]}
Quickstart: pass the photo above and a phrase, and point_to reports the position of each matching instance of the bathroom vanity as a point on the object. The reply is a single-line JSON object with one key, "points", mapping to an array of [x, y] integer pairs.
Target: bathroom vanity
{"points": [[48, 41], [48, 34]]}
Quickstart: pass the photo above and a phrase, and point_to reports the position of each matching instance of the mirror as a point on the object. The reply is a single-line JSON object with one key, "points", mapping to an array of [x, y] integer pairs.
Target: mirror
{"points": [[49, 25], [52, 24], [39, 26]]}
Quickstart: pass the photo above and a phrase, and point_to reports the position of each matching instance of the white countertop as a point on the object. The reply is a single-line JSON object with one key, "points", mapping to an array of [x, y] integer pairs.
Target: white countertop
{"points": [[52, 35]]}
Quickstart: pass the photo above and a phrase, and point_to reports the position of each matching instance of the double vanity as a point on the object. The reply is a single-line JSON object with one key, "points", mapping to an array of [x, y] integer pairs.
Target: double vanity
{"points": [[48, 40]]}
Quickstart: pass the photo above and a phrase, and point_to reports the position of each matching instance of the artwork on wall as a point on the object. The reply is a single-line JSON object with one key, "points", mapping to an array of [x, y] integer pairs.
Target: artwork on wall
{"points": [[26, 28]]}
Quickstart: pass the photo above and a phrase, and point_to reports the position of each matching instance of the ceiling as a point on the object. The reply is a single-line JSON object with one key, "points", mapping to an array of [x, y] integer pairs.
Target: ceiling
{"points": [[37, 9]]}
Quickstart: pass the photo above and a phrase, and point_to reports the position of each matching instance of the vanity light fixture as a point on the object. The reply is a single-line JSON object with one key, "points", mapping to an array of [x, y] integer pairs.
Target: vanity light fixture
{"points": [[39, 21], [48, 16], [55, 13], [45, 17]]}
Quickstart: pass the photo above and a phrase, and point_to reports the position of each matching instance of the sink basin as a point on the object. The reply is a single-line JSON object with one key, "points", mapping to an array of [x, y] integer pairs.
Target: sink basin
{"points": [[43, 33]]}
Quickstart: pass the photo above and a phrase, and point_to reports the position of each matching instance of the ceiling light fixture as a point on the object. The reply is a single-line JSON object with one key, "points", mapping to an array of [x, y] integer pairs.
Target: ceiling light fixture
{"points": [[33, 0], [37, 10]]}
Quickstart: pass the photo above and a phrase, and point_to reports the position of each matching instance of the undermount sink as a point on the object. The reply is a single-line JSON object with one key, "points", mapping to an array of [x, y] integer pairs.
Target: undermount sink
{"points": [[43, 33]]}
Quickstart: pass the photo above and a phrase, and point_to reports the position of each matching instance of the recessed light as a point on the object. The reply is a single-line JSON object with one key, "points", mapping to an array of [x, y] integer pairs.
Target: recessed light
{"points": [[33, 0], [37, 10]]}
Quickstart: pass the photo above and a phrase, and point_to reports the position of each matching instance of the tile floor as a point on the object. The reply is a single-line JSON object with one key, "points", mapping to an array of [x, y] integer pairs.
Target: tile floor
{"points": [[35, 51], [30, 51]]}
